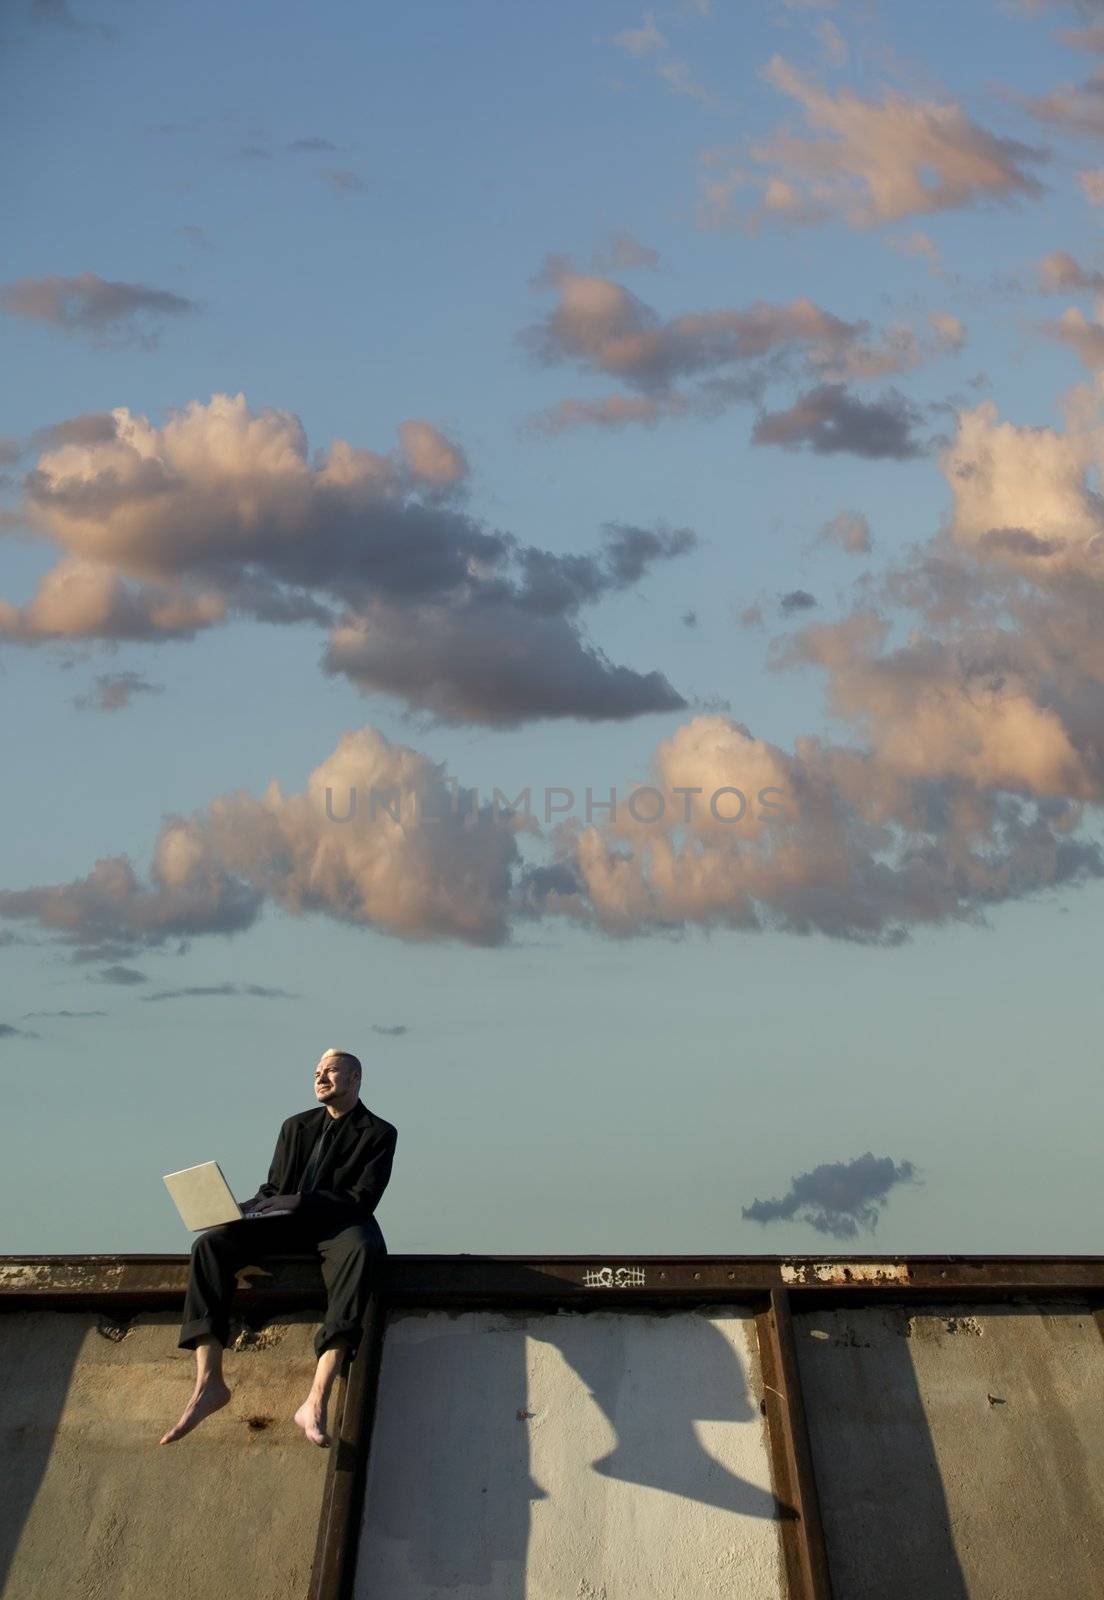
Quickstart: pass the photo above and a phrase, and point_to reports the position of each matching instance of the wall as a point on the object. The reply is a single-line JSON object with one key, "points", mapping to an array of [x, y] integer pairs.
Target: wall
{"points": [[93, 1507], [574, 1456], [959, 1450]]}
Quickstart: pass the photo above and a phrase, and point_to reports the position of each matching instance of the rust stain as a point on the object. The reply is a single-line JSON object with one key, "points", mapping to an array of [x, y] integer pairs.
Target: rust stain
{"points": [[798, 1272]]}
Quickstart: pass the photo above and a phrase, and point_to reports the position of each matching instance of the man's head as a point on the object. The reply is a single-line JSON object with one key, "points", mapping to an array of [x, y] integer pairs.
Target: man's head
{"points": [[337, 1081]]}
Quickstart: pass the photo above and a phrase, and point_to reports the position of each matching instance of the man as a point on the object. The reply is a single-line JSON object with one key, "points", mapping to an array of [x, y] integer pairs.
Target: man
{"points": [[330, 1169]]}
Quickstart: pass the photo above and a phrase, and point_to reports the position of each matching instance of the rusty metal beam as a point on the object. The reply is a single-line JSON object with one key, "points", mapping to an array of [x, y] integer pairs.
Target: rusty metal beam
{"points": [[157, 1282], [804, 1551], [334, 1573]]}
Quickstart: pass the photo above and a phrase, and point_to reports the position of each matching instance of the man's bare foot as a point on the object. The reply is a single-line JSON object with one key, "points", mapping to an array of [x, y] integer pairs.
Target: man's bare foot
{"points": [[311, 1417], [209, 1396]]}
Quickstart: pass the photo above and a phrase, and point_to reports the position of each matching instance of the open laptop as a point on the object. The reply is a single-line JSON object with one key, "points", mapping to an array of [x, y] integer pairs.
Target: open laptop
{"points": [[203, 1198]]}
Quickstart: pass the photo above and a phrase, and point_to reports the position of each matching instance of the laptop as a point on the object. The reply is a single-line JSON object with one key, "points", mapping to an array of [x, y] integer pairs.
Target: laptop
{"points": [[203, 1198]]}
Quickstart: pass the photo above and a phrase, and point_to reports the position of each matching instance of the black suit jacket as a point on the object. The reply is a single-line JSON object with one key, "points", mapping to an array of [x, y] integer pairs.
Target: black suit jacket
{"points": [[353, 1175]]}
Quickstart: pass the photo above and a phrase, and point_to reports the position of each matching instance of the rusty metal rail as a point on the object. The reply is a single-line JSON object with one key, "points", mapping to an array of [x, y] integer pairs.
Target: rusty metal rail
{"points": [[149, 1281]]}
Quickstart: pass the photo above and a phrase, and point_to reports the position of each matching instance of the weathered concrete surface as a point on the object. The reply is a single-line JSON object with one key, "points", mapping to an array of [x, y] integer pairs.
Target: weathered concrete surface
{"points": [[959, 1450], [581, 1456], [92, 1507]]}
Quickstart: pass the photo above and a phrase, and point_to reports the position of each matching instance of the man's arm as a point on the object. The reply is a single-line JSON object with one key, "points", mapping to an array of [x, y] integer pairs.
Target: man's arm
{"points": [[362, 1196]]}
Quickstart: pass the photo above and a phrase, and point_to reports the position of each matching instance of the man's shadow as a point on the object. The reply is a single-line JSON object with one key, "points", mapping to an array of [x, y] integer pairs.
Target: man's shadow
{"points": [[653, 1406], [451, 1484]]}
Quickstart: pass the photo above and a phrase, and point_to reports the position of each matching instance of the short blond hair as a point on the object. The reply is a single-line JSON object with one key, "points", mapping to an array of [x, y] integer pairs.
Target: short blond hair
{"points": [[343, 1055]]}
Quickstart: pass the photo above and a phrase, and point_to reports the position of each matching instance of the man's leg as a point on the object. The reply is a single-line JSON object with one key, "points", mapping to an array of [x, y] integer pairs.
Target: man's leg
{"points": [[216, 1256], [347, 1270], [210, 1392]]}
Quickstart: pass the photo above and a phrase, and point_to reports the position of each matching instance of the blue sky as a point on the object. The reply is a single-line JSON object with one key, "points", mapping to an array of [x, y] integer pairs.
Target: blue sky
{"points": [[464, 217]]}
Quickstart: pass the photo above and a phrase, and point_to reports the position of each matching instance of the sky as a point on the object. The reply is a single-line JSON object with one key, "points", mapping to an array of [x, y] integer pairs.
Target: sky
{"points": [[422, 425]]}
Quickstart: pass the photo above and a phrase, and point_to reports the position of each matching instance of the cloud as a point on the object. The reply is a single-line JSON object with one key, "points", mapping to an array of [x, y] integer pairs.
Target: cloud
{"points": [[1092, 185], [971, 682], [69, 1014], [853, 842], [829, 421], [832, 43], [623, 253], [848, 530], [1060, 270], [867, 162], [395, 1032], [1091, 39], [440, 876], [311, 145], [838, 1198], [90, 427], [1031, 480], [448, 660], [797, 600], [1076, 108], [641, 41], [124, 977], [950, 332], [967, 679], [115, 690], [679, 78], [7, 1031], [56, 14], [166, 531], [207, 991], [195, 235], [919, 244], [80, 599], [700, 363], [107, 312], [647, 43], [435, 462], [1084, 337], [343, 180]]}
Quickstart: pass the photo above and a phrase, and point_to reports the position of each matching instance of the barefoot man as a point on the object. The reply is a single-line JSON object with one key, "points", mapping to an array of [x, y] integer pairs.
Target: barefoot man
{"points": [[330, 1168]]}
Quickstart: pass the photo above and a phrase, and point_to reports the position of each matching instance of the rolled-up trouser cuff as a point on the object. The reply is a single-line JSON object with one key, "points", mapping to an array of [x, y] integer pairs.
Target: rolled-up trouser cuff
{"points": [[327, 1338], [202, 1328]]}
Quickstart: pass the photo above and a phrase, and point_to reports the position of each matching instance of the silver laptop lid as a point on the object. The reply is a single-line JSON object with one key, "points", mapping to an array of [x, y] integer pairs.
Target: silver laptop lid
{"points": [[202, 1196]]}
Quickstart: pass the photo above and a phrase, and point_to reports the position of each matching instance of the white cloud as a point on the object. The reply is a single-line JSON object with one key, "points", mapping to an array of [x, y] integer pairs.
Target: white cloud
{"points": [[700, 363], [213, 872], [223, 510], [868, 162]]}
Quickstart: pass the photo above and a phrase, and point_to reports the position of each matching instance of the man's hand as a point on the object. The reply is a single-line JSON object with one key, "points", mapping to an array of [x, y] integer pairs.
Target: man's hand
{"points": [[271, 1202]]}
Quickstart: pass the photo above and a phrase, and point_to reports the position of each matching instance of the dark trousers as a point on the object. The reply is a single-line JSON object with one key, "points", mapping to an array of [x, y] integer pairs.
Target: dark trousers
{"points": [[348, 1257]]}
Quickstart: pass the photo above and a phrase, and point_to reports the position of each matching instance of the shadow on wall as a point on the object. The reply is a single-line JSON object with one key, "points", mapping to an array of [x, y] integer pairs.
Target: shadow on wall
{"points": [[653, 1413], [38, 1355], [972, 1434], [468, 1414], [887, 1522]]}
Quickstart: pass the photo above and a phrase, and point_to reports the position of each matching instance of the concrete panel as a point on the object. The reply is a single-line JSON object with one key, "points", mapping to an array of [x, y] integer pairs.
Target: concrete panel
{"points": [[92, 1507], [959, 1450], [580, 1456]]}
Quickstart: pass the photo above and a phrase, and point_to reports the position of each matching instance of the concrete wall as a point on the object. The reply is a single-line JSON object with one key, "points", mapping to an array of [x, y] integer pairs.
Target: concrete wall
{"points": [[614, 1454], [91, 1507], [580, 1456], [959, 1451]]}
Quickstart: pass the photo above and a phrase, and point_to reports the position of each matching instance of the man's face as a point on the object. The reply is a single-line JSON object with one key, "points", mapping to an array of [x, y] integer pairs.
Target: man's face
{"points": [[333, 1079]]}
